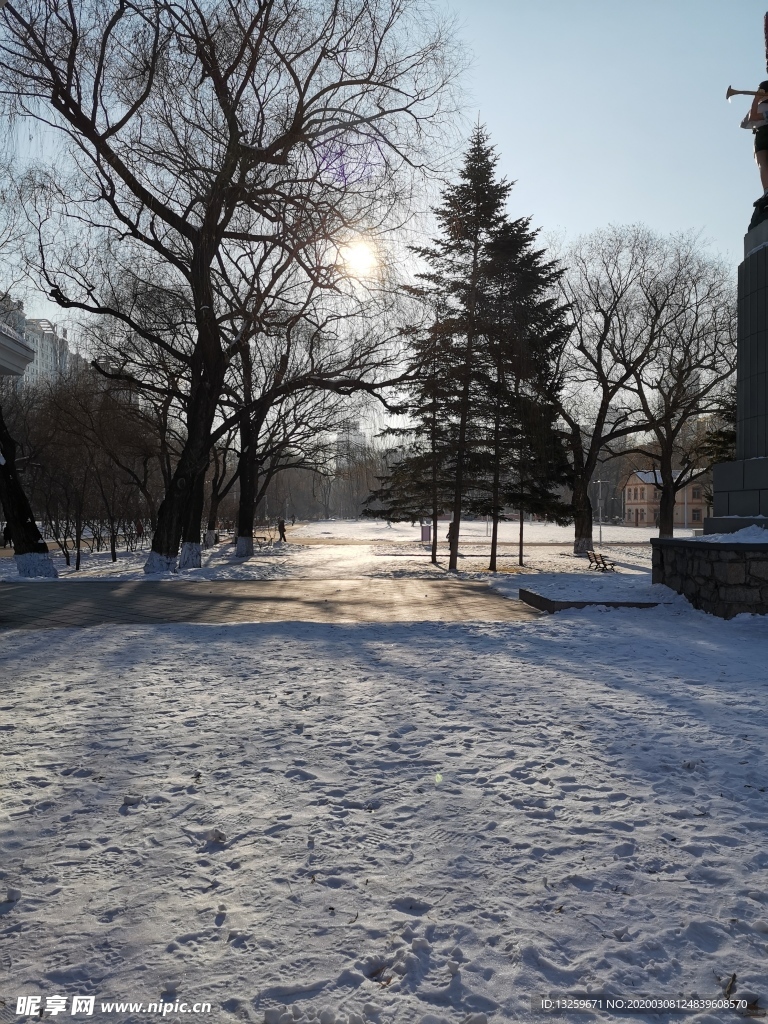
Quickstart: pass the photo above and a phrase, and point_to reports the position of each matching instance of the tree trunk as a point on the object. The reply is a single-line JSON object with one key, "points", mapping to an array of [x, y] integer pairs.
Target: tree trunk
{"points": [[495, 490], [207, 373], [667, 510], [520, 545], [210, 526], [435, 493], [246, 510], [667, 500], [173, 511], [494, 541], [461, 445], [78, 540], [582, 517], [30, 550], [191, 548]]}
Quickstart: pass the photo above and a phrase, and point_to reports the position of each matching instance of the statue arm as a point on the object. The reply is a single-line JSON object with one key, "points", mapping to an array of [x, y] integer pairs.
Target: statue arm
{"points": [[754, 118]]}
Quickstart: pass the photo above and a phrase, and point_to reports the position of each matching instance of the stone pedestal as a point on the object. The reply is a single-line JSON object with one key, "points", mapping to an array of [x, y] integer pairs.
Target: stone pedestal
{"points": [[728, 578], [723, 578], [741, 487]]}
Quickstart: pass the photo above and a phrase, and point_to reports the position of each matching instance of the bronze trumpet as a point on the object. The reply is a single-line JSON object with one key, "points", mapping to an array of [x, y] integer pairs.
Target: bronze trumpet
{"points": [[740, 92]]}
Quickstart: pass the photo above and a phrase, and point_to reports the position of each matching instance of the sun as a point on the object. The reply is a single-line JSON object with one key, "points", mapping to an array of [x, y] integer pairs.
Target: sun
{"points": [[359, 258]]}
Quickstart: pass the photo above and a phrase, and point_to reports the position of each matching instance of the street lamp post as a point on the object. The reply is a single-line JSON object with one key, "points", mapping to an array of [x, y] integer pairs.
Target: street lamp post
{"points": [[600, 509]]}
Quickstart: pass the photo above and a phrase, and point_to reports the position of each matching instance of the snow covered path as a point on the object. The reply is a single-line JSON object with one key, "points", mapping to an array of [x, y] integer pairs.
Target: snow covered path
{"points": [[423, 824], [90, 602]]}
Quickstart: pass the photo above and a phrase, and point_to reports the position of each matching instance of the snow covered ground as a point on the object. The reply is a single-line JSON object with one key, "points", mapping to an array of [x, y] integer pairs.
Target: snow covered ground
{"points": [[367, 548], [405, 824], [588, 586], [471, 531]]}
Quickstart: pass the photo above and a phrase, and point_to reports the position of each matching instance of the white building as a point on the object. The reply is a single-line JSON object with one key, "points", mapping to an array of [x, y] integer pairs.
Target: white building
{"points": [[51, 354], [15, 353]]}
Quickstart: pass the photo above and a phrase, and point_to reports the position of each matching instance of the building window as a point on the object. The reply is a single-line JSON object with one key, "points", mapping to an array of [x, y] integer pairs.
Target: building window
{"points": [[635, 494], [696, 515], [642, 494], [642, 513], [696, 493]]}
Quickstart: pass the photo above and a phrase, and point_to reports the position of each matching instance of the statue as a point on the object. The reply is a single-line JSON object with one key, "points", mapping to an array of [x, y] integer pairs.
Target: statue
{"points": [[757, 122]]}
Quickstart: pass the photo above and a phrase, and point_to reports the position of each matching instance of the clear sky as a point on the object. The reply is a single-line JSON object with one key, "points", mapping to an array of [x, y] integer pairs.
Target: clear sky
{"points": [[614, 111]]}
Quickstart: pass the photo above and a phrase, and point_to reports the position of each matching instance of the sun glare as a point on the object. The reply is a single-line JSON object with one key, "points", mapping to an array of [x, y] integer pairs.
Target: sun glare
{"points": [[359, 258]]}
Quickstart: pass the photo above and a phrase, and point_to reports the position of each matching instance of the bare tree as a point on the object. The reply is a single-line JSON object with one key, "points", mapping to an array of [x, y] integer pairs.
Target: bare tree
{"points": [[30, 550], [206, 140], [651, 349], [691, 369], [617, 318]]}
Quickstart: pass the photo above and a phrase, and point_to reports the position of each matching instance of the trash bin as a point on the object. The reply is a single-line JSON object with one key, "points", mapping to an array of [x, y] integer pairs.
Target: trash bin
{"points": [[426, 533]]}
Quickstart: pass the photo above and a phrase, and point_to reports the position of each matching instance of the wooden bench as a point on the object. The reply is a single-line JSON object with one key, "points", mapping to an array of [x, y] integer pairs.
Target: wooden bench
{"points": [[262, 541], [600, 562]]}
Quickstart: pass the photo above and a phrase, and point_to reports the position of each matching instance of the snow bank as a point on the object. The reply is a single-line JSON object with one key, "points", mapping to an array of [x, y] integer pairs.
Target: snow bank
{"points": [[588, 586], [749, 535]]}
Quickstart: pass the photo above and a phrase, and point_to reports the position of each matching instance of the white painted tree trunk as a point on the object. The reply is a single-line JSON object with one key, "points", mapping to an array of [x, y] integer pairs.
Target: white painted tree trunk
{"points": [[210, 538], [159, 563], [190, 556], [34, 565], [244, 547]]}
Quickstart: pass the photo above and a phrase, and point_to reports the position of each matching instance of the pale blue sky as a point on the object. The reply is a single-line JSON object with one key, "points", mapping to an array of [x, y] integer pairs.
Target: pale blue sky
{"points": [[614, 111]]}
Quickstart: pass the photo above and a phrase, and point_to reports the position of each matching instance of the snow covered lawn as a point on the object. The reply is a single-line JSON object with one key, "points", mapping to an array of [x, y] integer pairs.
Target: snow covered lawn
{"points": [[417, 824], [336, 558], [471, 531]]}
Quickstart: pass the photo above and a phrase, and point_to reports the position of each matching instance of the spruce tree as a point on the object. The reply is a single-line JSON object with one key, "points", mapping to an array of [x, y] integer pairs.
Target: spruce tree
{"points": [[469, 217], [525, 331], [419, 484], [485, 384]]}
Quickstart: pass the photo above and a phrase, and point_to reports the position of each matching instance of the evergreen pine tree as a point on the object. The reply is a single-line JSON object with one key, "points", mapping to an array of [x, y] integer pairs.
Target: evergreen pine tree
{"points": [[483, 402], [469, 216], [525, 331], [419, 485]]}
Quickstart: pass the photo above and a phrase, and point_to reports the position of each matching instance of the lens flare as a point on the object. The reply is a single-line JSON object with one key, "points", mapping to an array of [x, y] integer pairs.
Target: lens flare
{"points": [[359, 258]]}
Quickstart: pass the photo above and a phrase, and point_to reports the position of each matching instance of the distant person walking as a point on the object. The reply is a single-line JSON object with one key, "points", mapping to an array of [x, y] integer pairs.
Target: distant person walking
{"points": [[281, 529], [140, 533], [293, 520], [451, 531], [7, 537]]}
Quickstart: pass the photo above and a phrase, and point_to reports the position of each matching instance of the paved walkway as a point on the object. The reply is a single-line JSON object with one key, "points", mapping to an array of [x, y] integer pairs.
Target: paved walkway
{"points": [[93, 602]]}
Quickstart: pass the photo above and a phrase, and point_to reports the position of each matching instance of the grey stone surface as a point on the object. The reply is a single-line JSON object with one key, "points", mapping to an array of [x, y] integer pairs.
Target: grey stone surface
{"points": [[744, 503], [728, 476], [752, 365], [756, 473], [719, 506], [740, 488], [723, 579]]}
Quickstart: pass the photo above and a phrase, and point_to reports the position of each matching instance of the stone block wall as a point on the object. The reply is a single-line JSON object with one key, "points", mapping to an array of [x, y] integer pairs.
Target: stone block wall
{"points": [[752, 360], [720, 578]]}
